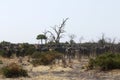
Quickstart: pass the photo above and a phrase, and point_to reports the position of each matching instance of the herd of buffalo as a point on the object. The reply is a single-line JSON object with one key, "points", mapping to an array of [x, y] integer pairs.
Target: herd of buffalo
{"points": [[7, 49]]}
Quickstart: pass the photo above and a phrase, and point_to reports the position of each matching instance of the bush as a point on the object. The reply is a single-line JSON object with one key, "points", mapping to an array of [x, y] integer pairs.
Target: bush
{"points": [[106, 61], [13, 70], [45, 58], [1, 62], [2, 53]]}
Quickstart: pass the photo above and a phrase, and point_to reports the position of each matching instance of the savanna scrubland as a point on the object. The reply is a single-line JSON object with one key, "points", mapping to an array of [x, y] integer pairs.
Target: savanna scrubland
{"points": [[51, 59]]}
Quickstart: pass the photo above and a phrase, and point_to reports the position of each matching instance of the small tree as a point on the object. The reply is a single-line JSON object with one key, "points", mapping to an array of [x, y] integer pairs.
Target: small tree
{"points": [[81, 39], [72, 37], [102, 41], [41, 37]]}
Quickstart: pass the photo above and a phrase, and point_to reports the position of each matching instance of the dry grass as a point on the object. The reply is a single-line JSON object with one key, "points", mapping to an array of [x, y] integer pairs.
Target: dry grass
{"points": [[57, 72]]}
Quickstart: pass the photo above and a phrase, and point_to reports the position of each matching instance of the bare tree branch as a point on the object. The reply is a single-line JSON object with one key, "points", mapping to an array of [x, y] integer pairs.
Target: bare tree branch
{"points": [[52, 35]]}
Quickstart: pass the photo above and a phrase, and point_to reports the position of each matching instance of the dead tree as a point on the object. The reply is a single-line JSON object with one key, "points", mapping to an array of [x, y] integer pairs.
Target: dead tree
{"points": [[72, 37], [112, 45], [58, 31]]}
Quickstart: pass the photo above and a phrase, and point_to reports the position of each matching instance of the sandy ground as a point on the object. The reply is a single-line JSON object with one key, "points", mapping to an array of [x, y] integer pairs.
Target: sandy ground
{"points": [[57, 72]]}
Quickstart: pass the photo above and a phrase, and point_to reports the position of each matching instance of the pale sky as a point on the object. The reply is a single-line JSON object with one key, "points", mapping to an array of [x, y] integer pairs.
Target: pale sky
{"points": [[23, 20]]}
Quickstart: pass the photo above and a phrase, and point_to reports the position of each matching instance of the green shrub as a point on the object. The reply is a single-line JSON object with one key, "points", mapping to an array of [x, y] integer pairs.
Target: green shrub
{"points": [[13, 70], [2, 53], [45, 58], [36, 55], [106, 61], [1, 62]]}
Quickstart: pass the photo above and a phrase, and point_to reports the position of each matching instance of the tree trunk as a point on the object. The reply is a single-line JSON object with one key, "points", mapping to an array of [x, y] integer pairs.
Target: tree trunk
{"points": [[41, 41], [45, 41]]}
